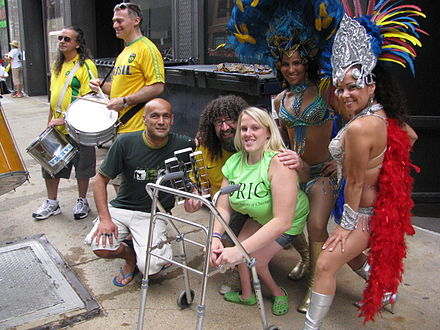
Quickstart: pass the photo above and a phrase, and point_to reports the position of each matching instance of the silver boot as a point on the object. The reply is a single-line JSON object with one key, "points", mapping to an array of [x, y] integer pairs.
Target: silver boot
{"points": [[318, 308], [389, 299]]}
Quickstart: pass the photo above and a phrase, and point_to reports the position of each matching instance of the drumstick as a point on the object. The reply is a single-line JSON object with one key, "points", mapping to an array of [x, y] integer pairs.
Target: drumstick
{"points": [[87, 99], [100, 92]]}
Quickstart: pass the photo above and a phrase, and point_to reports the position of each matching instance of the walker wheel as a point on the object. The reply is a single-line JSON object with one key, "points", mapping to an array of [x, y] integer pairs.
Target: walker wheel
{"points": [[182, 300], [273, 327]]}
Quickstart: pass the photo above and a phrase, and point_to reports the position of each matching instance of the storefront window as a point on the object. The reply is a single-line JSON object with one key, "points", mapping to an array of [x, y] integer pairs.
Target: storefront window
{"points": [[54, 24], [217, 14], [156, 25], [4, 46]]}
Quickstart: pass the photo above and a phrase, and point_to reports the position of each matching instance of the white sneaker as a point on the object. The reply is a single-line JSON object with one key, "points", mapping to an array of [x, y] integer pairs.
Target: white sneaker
{"points": [[81, 209], [46, 210]]}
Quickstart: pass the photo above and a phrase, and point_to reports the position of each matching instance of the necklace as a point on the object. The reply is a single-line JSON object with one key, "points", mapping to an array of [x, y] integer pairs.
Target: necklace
{"points": [[366, 111], [298, 90]]}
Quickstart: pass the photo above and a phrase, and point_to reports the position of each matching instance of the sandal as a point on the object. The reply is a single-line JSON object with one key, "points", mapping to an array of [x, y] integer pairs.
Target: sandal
{"points": [[280, 304], [124, 277], [234, 296]]}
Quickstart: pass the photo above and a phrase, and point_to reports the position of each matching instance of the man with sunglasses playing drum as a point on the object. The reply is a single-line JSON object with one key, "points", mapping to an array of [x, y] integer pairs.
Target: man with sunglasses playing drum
{"points": [[70, 76], [138, 74]]}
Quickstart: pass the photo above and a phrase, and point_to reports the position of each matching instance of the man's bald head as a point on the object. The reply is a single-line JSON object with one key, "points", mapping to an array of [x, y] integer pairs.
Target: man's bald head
{"points": [[157, 103]]}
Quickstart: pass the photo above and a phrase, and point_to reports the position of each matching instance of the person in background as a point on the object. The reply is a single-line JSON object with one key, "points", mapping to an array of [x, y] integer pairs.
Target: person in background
{"points": [[3, 75], [15, 57]]}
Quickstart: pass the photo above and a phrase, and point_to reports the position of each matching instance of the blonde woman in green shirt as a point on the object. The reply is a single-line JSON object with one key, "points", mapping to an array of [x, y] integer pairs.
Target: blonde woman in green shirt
{"points": [[269, 195]]}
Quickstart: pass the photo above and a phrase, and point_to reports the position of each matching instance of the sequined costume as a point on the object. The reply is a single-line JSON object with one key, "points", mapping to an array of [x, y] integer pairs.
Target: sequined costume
{"points": [[336, 146], [315, 114]]}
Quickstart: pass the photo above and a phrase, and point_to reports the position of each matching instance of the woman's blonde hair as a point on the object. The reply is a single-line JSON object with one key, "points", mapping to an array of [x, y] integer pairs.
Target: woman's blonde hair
{"points": [[274, 142]]}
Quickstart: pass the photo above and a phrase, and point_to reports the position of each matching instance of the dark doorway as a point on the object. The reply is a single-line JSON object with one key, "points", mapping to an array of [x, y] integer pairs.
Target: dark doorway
{"points": [[35, 63]]}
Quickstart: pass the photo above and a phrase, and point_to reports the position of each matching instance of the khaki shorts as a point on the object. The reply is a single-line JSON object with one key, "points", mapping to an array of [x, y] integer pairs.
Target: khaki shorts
{"points": [[17, 76], [137, 224]]}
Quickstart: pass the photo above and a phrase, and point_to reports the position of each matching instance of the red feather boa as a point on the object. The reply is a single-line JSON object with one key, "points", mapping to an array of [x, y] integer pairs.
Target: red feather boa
{"points": [[390, 222]]}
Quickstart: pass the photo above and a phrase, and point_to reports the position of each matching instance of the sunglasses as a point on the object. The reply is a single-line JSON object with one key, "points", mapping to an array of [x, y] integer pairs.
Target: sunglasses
{"points": [[66, 39], [130, 6]]}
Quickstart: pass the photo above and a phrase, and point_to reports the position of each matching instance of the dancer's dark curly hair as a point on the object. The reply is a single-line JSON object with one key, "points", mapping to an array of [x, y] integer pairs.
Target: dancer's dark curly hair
{"points": [[83, 51], [223, 106], [389, 94]]}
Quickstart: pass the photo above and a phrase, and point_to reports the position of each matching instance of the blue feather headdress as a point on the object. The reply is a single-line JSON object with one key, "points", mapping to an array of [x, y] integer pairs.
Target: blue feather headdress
{"points": [[264, 30]]}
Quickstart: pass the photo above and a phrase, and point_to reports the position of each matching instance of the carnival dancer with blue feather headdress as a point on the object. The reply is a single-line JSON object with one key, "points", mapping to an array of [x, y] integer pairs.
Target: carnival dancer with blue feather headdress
{"points": [[372, 154], [289, 35]]}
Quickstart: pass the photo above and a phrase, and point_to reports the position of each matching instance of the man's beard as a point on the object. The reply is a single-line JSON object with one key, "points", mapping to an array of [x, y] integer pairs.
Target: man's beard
{"points": [[228, 145]]}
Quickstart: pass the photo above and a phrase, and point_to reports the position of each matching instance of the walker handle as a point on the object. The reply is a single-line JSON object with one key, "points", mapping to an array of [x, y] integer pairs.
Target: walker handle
{"points": [[172, 176], [230, 189]]}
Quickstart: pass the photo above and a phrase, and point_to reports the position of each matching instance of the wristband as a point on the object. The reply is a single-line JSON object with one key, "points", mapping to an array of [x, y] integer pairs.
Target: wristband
{"points": [[217, 235], [349, 218]]}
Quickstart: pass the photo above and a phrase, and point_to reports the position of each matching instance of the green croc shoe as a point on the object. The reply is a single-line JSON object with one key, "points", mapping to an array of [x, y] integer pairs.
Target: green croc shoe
{"points": [[234, 296], [280, 304]]}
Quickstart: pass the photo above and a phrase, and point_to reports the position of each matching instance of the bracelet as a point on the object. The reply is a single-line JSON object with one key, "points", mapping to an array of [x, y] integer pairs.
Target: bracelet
{"points": [[349, 218], [217, 235]]}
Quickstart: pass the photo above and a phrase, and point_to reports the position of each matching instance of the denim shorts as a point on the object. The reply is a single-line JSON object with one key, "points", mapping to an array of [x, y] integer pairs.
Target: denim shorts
{"points": [[285, 239]]}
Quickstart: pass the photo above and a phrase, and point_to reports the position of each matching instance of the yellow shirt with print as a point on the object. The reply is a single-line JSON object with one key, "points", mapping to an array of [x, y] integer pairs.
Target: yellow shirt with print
{"points": [[214, 167], [79, 85], [140, 64]]}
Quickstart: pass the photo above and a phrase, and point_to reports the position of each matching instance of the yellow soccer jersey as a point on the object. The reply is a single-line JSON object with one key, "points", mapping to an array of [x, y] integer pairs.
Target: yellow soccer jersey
{"points": [[214, 168], [140, 64], [78, 86]]}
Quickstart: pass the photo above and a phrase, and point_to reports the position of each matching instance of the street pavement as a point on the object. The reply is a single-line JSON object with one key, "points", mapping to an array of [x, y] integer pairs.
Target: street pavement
{"points": [[419, 294]]}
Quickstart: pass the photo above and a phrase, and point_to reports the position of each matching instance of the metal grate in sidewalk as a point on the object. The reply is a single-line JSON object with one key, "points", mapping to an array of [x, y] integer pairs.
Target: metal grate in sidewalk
{"points": [[37, 288]]}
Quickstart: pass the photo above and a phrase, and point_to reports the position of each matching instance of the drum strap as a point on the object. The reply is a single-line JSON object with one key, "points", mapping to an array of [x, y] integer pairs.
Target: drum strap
{"points": [[130, 113], [66, 84]]}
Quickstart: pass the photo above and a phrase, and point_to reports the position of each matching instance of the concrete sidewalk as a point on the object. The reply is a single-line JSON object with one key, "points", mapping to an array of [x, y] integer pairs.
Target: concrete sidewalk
{"points": [[419, 294]]}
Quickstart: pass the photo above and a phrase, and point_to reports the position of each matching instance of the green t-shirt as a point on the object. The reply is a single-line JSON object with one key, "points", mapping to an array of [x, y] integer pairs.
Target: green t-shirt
{"points": [[254, 197], [140, 164]]}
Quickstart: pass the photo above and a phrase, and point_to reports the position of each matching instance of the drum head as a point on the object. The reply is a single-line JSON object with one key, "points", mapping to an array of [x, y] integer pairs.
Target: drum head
{"points": [[12, 180], [90, 117]]}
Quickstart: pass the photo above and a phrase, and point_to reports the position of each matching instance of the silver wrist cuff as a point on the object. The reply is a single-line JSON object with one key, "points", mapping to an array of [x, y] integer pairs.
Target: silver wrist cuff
{"points": [[349, 218]]}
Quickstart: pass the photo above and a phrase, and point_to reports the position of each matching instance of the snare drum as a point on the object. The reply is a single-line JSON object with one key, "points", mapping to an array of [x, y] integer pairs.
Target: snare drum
{"points": [[90, 123], [12, 170], [52, 150]]}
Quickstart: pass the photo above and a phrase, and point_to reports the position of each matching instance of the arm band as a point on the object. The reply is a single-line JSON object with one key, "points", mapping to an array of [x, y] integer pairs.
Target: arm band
{"points": [[349, 218], [217, 235]]}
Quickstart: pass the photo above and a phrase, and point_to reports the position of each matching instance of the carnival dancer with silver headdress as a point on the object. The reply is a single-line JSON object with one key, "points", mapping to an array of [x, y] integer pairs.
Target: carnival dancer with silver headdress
{"points": [[372, 154], [289, 35]]}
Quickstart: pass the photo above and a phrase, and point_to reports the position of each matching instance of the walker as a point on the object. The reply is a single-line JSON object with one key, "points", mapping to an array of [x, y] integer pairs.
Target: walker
{"points": [[178, 169]]}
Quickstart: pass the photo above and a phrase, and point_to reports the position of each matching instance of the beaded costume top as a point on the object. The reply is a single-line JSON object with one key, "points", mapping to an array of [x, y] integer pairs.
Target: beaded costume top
{"points": [[314, 114]]}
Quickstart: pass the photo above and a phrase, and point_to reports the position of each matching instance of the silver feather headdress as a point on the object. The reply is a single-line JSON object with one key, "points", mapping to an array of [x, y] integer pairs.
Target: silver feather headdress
{"points": [[352, 47]]}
